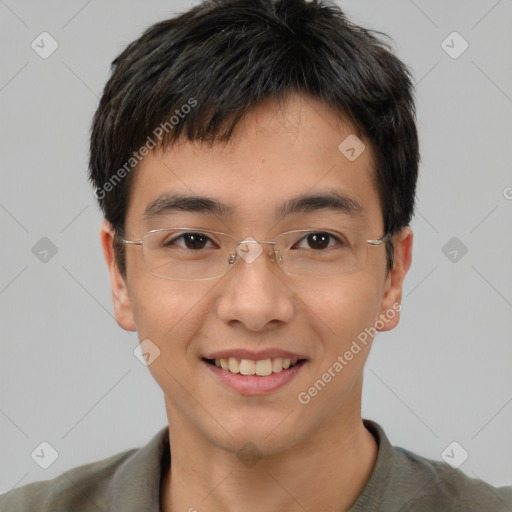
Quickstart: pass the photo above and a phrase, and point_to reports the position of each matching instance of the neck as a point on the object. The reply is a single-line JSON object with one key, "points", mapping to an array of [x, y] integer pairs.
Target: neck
{"points": [[338, 460]]}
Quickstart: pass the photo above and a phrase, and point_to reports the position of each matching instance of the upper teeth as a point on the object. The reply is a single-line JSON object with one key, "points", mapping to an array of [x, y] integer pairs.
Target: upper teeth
{"points": [[262, 367]]}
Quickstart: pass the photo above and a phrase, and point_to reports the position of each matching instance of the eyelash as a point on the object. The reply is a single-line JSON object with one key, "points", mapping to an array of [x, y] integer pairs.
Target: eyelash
{"points": [[306, 235], [332, 237]]}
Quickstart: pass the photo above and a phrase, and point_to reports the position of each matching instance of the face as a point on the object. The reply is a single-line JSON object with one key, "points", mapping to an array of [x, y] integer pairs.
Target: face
{"points": [[256, 311]]}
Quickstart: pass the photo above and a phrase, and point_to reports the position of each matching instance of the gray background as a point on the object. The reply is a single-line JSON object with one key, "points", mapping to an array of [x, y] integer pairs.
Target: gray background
{"points": [[67, 371]]}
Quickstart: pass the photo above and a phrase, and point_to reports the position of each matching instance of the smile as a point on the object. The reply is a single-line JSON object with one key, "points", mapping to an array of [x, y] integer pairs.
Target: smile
{"points": [[254, 377], [261, 367]]}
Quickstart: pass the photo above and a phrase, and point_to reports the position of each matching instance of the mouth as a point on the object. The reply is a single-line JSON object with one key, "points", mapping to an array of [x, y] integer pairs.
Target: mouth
{"points": [[250, 367], [262, 375]]}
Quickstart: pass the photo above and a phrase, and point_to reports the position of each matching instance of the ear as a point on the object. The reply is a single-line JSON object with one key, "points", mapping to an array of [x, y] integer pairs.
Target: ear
{"points": [[122, 307], [392, 298]]}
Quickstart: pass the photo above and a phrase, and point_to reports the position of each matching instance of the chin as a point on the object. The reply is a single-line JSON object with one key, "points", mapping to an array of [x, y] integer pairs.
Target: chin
{"points": [[270, 437]]}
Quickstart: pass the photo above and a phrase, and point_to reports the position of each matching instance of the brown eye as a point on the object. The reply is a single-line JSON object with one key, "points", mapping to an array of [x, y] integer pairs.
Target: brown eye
{"points": [[192, 241], [319, 240]]}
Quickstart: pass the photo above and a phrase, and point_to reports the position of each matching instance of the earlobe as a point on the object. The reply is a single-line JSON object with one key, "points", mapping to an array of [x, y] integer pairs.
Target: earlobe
{"points": [[120, 297], [392, 298]]}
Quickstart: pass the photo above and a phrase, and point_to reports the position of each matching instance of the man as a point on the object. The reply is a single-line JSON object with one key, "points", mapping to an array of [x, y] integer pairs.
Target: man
{"points": [[256, 163]]}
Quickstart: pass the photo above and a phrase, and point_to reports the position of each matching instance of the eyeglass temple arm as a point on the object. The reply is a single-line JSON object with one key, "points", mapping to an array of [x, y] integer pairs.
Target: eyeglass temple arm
{"points": [[131, 242], [379, 240], [126, 242]]}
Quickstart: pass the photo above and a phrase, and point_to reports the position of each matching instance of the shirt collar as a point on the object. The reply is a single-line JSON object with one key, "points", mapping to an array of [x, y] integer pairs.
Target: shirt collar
{"points": [[135, 486], [373, 492]]}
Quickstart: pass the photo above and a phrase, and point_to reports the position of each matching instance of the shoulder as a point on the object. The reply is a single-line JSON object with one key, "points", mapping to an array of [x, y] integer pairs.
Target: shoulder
{"points": [[128, 481], [405, 481], [84, 488], [435, 485]]}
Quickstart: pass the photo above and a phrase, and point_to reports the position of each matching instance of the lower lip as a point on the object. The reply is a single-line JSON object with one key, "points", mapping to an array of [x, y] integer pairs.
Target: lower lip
{"points": [[252, 385]]}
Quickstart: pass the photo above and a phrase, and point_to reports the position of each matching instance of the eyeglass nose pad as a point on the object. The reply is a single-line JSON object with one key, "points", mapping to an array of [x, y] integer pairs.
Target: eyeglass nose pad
{"points": [[273, 254]]}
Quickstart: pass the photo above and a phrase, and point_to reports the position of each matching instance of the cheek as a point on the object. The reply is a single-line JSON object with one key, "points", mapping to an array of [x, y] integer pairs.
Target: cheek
{"points": [[170, 316], [340, 310], [343, 307], [167, 312]]}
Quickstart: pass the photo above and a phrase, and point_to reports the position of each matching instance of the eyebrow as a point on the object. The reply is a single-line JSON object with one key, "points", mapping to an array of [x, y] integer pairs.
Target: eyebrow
{"points": [[304, 203]]}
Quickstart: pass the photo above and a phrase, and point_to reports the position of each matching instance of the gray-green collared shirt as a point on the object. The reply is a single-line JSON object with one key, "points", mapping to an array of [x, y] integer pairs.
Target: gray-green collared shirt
{"points": [[401, 481]]}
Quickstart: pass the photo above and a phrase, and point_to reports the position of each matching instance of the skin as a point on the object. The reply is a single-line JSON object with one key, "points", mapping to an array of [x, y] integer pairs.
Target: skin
{"points": [[274, 155]]}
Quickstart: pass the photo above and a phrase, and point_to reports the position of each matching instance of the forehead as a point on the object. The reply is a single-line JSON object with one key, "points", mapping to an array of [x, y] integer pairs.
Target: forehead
{"points": [[278, 163]]}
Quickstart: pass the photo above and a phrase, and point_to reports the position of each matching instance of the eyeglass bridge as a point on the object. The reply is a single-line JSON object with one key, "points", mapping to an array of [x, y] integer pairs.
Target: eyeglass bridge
{"points": [[272, 254]]}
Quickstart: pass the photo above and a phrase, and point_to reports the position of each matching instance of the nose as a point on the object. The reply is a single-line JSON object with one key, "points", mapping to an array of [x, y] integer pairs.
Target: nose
{"points": [[254, 291]]}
